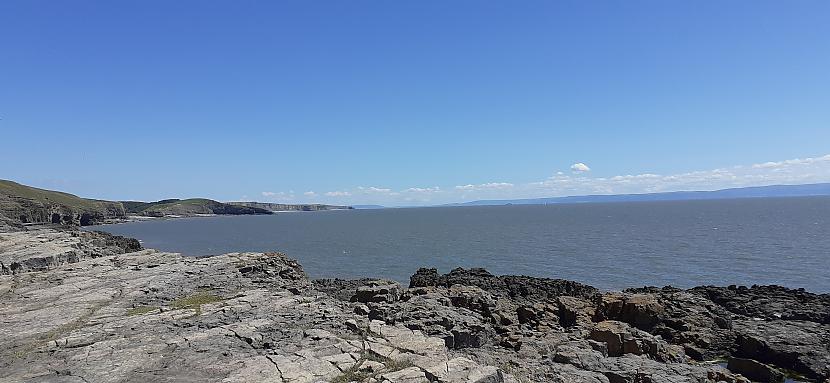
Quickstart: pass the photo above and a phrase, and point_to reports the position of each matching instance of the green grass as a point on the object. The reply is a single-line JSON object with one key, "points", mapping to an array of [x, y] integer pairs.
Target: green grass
{"points": [[141, 310], [355, 375], [195, 301], [393, 365], [48, 196], [351, 376]]}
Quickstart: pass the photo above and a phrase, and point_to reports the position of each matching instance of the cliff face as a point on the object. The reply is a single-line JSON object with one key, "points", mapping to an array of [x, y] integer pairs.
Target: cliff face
{"points": [[289, 207], [20, 204]]}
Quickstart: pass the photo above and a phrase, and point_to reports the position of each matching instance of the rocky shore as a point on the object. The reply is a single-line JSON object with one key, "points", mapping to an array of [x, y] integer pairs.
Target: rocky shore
{"points": [[89, 307]]}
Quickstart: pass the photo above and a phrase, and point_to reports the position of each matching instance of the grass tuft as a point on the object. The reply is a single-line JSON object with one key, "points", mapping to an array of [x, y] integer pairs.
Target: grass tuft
{"points": [[141, 310], [351, 376], [393, 365], [195, 301]]}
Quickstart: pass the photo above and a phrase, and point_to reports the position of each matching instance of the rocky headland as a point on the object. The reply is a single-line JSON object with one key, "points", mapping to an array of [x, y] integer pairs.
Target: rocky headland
{"points": [[22, 205], [88, 307]]}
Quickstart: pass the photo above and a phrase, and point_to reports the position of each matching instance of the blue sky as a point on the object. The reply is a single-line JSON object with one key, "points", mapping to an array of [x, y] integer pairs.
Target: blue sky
{"points": [[416, 102]]}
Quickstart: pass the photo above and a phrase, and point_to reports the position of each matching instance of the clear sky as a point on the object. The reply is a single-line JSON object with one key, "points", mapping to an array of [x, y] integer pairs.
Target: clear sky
{"points": [[411, 102]]}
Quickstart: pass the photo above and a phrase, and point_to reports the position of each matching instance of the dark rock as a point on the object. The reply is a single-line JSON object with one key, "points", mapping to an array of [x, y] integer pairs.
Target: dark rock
{"points": [[757, 371], [770, 302], [377, 291], [342, 289], [424, 278], [622, 339], [690, 320], [515, 287], [574, 311], [800, 346], [642, 311]]}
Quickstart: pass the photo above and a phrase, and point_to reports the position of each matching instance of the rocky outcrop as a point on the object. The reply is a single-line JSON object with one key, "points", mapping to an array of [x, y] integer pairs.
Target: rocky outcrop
{"points": [[248, 317], [767, 325], [39, 250], [241, 317], [522, 288]]}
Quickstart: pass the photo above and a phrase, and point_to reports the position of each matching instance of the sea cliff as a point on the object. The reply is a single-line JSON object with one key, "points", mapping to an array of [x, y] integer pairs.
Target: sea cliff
{"points": [[114, 312]]}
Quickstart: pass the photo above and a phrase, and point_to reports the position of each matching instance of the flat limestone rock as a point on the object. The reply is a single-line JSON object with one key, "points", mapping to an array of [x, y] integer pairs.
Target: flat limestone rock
{"points": [[151, 316], [158, 316]]}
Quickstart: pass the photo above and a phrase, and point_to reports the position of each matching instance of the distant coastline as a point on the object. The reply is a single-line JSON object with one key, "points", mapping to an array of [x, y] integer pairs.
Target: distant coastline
{"points": [[22, 205], [806, 190]]}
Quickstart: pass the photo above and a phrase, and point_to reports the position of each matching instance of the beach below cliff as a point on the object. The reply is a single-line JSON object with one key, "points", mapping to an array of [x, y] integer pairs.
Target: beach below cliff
{"points": [[92, 307]]}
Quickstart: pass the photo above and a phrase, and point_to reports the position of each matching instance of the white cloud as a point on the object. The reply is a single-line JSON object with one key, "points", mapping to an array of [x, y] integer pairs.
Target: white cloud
{"points": [[372, 189], [797, 161], [806, 170], [579, 167], [795, 171], [278, 196], [338, 194], [422, 190], [487, 186]]}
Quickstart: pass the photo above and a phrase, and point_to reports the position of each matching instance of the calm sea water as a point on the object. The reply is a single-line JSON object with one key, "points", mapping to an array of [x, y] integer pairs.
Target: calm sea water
{"points": [[782, 241]]}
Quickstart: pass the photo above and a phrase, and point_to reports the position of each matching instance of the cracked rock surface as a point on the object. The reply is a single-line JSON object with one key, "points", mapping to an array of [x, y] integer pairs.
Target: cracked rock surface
{"points": [[150, 316]]}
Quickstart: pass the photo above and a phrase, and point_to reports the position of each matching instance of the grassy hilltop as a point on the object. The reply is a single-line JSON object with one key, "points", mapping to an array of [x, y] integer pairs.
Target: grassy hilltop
{"points": [[20, 204]]}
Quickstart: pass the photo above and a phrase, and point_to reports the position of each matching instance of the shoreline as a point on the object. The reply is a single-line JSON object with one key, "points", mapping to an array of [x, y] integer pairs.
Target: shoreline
{"points": [[442, 327]]}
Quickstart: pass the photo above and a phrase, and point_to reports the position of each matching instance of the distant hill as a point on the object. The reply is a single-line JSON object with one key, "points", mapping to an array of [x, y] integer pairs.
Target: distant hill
{"points": [[822, 189], [21, 204], [273, 207]]}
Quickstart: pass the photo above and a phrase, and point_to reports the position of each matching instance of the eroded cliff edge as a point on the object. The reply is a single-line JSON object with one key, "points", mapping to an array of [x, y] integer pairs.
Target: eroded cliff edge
{"points": [[248, 317]]}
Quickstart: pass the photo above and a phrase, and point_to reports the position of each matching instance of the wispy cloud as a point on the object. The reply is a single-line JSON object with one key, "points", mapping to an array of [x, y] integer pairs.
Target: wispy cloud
{"points": [[278, 196], [435, 189]]}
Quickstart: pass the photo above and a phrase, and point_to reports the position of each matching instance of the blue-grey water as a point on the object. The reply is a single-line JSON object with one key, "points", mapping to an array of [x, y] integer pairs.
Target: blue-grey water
{"points": [[782, 241]]}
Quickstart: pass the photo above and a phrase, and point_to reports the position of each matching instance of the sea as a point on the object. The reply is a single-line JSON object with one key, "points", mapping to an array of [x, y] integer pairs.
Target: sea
{"points": [[612, 246]]}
